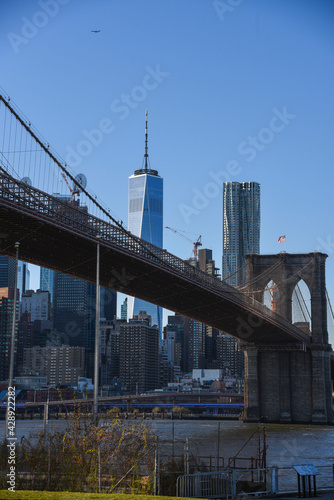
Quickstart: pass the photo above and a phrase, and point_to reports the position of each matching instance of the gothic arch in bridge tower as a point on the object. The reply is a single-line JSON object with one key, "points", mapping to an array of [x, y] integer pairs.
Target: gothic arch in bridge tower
{"points": [[287, 270], [301, 306]]}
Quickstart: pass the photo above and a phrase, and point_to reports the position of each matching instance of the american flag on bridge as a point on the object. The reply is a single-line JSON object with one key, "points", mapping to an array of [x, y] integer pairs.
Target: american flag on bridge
{"points": [[281, 239]]}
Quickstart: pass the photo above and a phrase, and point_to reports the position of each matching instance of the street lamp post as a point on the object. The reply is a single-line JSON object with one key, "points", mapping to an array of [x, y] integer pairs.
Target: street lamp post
{"points": [[12, 339], [97, 331]]}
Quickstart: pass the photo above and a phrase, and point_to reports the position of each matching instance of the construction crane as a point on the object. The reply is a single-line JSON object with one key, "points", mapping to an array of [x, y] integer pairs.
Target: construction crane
{"points": [[197, 243], [75, 190]]}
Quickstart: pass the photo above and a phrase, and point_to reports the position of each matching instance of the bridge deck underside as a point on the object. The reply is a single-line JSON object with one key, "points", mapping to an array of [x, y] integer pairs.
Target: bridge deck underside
{"points": [[44, 243]]}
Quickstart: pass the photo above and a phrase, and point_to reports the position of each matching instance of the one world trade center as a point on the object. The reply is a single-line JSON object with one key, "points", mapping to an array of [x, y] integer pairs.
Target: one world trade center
{"points": [[145, 220]]}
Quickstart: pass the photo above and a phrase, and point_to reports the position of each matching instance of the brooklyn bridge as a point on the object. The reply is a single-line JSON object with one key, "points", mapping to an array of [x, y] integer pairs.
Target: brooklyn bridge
{"points": [[287, 367]]}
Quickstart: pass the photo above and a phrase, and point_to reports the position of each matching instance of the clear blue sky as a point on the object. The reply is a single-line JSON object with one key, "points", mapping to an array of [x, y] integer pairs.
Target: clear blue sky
{"points": [[242, 90]]}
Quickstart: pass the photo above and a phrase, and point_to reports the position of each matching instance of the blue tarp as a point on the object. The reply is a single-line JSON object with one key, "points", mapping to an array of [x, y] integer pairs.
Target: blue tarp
{"points": [[3, 395]]}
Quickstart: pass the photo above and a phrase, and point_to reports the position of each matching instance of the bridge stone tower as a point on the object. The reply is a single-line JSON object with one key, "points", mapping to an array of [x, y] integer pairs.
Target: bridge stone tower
{"points": [[290, 382]]}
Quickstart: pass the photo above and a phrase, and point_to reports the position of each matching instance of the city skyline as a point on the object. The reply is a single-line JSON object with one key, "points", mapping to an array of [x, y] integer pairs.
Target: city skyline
{"points": [[291, 354], [243, 95]]}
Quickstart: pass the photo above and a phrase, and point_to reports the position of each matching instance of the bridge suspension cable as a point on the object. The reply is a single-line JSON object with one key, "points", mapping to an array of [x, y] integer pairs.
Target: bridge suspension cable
{"points": [[16, 196], [33, 172], [300, 309], [240, 270], [29, 157], [329, 303], [286, 280], [307, 316], [330, 316], [267, 272]]}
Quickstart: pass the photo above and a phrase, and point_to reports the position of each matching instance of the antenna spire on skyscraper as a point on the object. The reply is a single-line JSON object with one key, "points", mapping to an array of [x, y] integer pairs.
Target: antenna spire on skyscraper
{"points": [[146, 147], [145, 168]]}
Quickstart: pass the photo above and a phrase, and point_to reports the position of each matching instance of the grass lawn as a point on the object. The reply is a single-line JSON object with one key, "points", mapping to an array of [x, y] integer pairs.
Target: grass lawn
{"points": [[66, 495]]}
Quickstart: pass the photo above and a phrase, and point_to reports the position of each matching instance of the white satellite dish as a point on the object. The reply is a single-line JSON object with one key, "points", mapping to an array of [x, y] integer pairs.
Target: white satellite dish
{"points": [[81, 179], [27, 180]]}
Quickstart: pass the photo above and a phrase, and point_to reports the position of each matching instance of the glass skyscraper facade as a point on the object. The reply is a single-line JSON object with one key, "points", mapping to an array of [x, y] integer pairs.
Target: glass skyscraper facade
{"points": [[145, 206], [70, 309], [241, 228], [145, 219], [7, 271], [46, 280], [23, 277], [6, 318]]}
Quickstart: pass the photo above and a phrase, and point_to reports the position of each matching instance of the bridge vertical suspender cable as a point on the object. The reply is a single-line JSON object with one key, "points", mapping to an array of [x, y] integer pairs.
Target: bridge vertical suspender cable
{"points": [[39, 146], [46, 149]]}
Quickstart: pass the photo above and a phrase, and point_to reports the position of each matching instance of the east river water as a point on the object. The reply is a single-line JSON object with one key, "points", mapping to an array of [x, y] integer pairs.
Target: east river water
{"points": [[287, 444]]}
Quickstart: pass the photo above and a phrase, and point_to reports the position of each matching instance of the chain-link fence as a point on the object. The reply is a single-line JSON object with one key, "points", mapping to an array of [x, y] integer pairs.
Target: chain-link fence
{"points": [[85, 457]]}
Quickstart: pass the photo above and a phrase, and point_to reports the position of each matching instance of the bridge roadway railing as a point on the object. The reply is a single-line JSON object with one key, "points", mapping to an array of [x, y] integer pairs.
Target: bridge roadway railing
{"points": [[22, 196]]}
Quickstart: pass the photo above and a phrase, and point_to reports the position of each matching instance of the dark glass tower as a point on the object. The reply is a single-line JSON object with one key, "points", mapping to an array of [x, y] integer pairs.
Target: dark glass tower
{"points": [[7, 271], [6, 318], [70, 309], [23, 277]]}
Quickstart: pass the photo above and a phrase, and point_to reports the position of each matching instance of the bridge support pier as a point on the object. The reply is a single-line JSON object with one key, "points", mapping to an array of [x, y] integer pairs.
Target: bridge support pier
{"points": [[287, 384], [321, 386], [252, 396]]}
